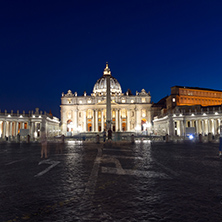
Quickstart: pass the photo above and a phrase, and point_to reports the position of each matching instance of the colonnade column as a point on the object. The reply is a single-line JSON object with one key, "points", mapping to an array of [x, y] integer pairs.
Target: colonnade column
{"points": [[197, 126], [4, 129], [10, 129], [215, 126], [181, 128]]}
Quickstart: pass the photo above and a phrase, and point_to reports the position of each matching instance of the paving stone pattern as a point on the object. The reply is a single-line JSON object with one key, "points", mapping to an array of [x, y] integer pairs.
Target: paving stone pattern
{"points": [[111, 182]]}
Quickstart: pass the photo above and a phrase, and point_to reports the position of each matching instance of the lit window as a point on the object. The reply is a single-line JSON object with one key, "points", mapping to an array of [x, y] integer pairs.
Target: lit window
{"points": [[173, 100], [132, 101], [123, 101], [99, 101], [143, 100], [89, 101], [80, 101]]}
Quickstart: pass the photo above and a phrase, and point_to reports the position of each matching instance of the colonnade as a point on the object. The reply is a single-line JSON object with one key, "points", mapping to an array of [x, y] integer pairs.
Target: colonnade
{"points": [[202, 126], [11, 128]]}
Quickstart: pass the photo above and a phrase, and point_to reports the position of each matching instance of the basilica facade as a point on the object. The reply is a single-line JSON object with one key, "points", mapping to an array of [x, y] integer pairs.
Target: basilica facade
{"points": [[87, 113]]}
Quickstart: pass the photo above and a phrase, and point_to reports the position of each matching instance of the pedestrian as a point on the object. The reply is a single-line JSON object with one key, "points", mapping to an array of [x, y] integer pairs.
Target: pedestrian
{"points": [[109, 134], [43, 143], [220, 146], [104, 135]]}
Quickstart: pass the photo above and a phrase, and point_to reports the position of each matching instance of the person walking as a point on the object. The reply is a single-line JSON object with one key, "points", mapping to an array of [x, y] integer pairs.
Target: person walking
{"points": [[109, 134]]}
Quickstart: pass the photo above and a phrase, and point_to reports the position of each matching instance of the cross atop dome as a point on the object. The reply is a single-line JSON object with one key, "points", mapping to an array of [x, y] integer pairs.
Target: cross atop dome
{"points": [[107, 70]]}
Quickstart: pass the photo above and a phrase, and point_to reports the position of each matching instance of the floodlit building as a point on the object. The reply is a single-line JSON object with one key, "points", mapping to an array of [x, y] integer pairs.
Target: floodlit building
{"points": [[24, 124], [189, 107], [87, 113]]}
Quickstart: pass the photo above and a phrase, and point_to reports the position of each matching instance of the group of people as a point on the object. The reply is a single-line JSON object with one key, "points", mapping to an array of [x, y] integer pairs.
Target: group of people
{"points": [[109, 135]]}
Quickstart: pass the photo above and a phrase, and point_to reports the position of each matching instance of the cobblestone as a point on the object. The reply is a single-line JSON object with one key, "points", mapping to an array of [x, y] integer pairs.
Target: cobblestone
{"points": [[111, 182]]}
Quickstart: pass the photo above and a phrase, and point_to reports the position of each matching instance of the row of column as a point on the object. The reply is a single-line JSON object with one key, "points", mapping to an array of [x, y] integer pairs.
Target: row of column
{"points": [[11, 128], [95, 120], [202, 126]]}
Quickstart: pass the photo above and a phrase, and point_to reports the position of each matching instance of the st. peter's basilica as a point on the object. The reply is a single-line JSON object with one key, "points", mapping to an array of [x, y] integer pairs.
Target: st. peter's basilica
{"points": [[88, 112]]}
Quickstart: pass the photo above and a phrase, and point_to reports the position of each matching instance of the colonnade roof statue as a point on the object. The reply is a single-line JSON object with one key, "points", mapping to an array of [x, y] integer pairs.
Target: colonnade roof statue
{"points": [[100, 86]]}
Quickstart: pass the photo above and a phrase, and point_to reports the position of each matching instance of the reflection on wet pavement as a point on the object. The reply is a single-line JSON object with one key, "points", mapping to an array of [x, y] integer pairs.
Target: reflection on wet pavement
{"points": [[111, 182]]}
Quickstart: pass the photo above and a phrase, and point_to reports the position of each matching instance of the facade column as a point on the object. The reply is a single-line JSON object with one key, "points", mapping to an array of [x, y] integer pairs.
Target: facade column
{"points": [[128, 120], [120, 121], [75, 120], [102, 121], [84, 120], [96, 120], [116, 120], [93, 120]]}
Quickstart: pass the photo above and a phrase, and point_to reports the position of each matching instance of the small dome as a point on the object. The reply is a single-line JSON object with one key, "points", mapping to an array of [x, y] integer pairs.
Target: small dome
{"points": [[100, 86]]}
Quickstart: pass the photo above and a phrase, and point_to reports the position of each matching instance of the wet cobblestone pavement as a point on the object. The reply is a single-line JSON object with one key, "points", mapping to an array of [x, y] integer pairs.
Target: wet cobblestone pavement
{"points": [[111, 182]]}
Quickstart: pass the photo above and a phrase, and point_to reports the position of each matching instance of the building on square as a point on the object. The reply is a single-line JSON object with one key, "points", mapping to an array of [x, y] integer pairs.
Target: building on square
{"points": [[12, 124], [87, 113], [186, 107]]}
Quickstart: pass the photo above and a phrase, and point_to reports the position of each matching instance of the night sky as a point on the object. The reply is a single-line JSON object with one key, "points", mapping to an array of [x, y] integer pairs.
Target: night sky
{"points": [[49, 47]]}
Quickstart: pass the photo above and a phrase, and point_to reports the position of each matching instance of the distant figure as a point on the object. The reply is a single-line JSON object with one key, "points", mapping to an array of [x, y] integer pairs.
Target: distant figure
{"points": [[43, 143], [60, 145], [220, 146], [104, 135], [109, 134], [18, 138], [28, 139]]}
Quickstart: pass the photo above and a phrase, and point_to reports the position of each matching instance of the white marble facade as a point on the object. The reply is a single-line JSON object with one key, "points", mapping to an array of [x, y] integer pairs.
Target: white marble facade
{"points": [[87, 113]]}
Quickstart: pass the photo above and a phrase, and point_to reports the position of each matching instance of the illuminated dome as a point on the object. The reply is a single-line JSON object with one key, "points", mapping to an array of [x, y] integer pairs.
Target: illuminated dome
{"points": [[100, 86]]}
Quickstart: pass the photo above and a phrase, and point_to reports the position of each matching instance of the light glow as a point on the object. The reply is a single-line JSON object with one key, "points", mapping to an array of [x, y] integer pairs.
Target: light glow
{"points": [[191, 136]]}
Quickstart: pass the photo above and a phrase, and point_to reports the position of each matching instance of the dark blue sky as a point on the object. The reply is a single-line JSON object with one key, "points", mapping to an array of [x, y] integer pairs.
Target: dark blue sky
{"points": [[49, 47]]}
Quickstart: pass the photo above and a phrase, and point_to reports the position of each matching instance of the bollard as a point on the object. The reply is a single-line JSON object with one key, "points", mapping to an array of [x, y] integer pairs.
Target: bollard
{"points": [[63, 138], [132, 139], [200, 138], [28, 139]]}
